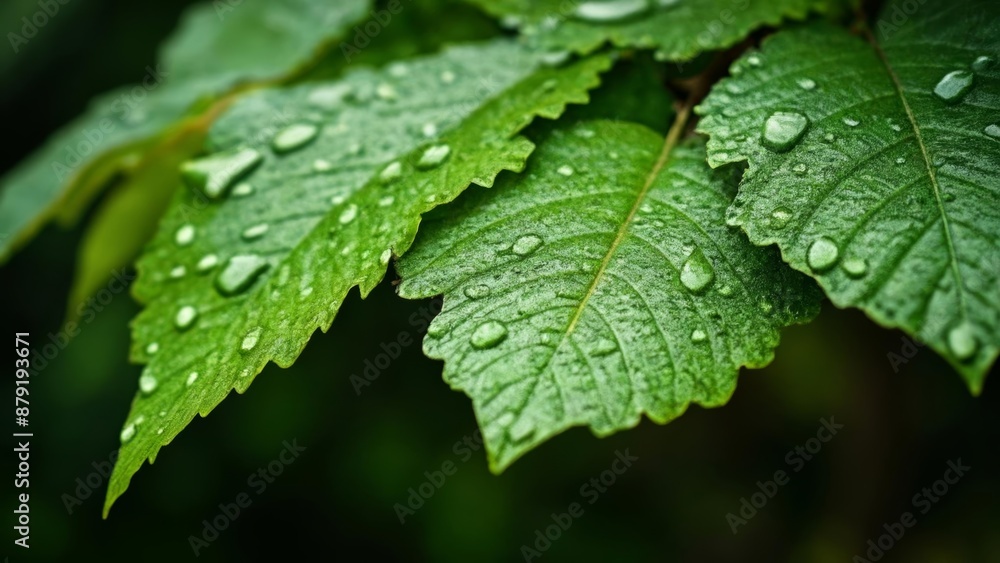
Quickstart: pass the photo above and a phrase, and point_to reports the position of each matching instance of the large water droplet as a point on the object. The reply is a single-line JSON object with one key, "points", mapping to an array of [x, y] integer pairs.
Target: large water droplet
{"points": [[962, 341], [239, 274], [697, 272], [488, 335], [294, 137], [780, 218], [954, 86], [185, 318], [992, 131], [433, 157], [527, 244], [147, 383], [348, 214], [823, 254], [783, 130], [214, 174], [255, 232], [477, 291], [610, 10], [250, 340], [184, 235]]}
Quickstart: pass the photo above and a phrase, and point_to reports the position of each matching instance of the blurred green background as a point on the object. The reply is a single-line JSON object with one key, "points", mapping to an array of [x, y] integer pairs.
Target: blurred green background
{"points": [[364, 452]]}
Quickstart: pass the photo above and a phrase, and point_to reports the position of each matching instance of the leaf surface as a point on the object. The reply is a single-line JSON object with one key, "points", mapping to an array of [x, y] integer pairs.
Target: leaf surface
{"points": [[599, 285], [874, 165]]}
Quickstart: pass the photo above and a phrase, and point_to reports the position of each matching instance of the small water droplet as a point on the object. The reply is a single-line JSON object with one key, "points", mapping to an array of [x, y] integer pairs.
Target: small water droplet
{"points": [[207, 262], [900, 160], [555, 58], [386, 201], [806, 83], [386, 256], [566, 170], [185, 318], [851, 122], [184, 235], [823, 254], [255, 232], [610, 10], [753, 60], [954, 86], [962, 341], [240, 273], [391, 173], [855, 267], [433, 157], [800, 169], [527, 244], [127, 433], [603, 347], [697, 272], [192, 377], [294, 137], [386, 92], [506, 419], [321, 165], [429, 130], [178, 272], [783, 130], [726, 290], [214, 174], [250, 340], [829, 137], [147, 383], [982, 64], [698, 336], [152, 348], [780, 217], [348, 214], [488, 335], [477, 291], [992, 131], [242, 189], [448, 77]]}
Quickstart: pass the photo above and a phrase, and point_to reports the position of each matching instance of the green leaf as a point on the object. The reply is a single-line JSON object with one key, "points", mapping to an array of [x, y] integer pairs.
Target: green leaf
{"points": [[677, 29], [599, 285], [873, 174], [255, 274], [258, 40]]}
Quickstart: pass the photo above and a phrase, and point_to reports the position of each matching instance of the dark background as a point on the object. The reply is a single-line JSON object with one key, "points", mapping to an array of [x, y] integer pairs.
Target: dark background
{"points": [[364, 452]]}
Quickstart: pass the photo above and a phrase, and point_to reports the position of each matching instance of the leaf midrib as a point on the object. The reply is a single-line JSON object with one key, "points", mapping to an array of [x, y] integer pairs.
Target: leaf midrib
{"points": [[953, 254]]}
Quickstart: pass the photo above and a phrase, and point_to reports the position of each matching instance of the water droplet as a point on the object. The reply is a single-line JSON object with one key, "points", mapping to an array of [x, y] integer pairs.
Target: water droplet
{"points": [[506, 419], [250, 340], [214, 174], [829, 137], [242, 189], [780, 217], [147, 383], [184, 235], [192, 377], [566, 170], [386, 201], [851, 122], [488, 335], [806, 83], [697, 272], [698, 336], [127, 433], [207, 262], [855, 267], [329, 97], [783, 130], [954, 86], [185, 318], [800, 169], [386, 92], [610, 10], [477, 291], [152, 348], [992, 131], [386, 256], [447, 77], [429, 130], [348, 215], [527, 244], [294, 137], [726, 290], [320, 165], [900, 160], [962, 341], [823, 254], [239, 274], [178, 272], [433, 157], [391, 172], [604, 347], [255, 232], [555, 58], [982, 64]]}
